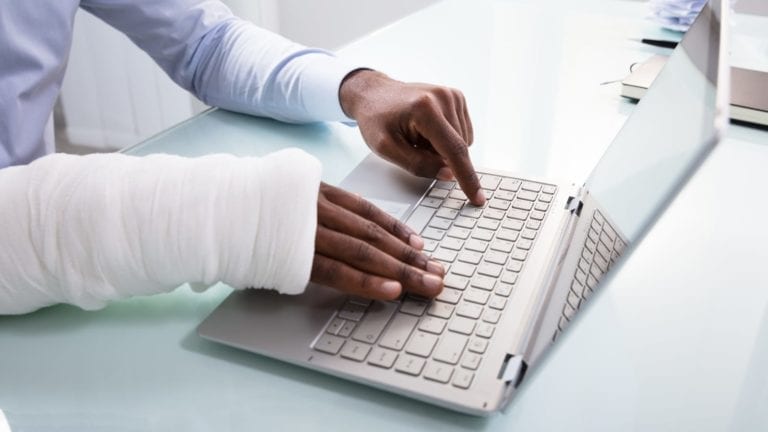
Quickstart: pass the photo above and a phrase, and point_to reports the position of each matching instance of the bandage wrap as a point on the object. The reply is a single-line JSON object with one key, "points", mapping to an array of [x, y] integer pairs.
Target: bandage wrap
{"points": [[87, 230]]}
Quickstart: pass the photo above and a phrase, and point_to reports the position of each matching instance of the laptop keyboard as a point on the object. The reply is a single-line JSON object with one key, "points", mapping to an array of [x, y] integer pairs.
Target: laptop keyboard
{"points": [[602, 248], [483, 250]]}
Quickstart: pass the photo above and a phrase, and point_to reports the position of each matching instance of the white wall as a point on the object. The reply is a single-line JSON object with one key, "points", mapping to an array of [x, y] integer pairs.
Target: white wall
{"points": [[113, 95], [333, 23]]}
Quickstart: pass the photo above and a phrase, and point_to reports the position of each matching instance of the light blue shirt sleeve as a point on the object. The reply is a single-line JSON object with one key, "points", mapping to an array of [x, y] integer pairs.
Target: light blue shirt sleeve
{"points": [[228, 62]]}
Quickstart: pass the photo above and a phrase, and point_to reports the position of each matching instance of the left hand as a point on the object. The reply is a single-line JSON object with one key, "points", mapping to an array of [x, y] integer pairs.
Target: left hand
{"points": [[421, 127]]}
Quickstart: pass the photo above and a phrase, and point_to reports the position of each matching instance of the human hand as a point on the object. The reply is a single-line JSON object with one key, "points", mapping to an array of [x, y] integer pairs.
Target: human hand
{"points": [[421, 127], [361, 250]]}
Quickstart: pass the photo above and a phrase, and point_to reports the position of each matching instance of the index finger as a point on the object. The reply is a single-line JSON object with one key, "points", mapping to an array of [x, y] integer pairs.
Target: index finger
{"points": [[447, 142]]}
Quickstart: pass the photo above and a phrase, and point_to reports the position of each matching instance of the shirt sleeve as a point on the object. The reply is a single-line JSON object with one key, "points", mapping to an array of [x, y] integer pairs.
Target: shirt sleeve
{"points": [[228, 62], [90, 229]]}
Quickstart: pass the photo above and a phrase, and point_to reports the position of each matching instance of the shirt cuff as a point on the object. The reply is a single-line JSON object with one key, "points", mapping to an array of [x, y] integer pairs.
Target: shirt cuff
{"points": [[321, 81]]}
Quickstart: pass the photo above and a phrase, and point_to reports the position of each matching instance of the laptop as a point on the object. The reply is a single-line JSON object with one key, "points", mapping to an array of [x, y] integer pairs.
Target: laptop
{"points": [[749, 89], [519, 269]]}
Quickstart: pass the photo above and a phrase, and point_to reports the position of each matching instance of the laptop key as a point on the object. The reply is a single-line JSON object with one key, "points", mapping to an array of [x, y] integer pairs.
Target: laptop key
{"points": [[421, 344], [527, 195], [478, 345], [515, 266], [482, 234], [447, 213], [528, 234], [471, 257], [352, 311], [382, 357], [494, 214], [446, 255], [514, 213], [513, 224], [485, 330], [453, 203], [531, 186], [476, 245], [489, 269], [459, 233], [510, 184], [412, 306], [449, 295], [457, 194], [439, 372], [524, 244], [433, 233], [497, 302], [502, 245], [410, 365], [509, 277], [355, 351], [440, 309], [329, 344], [471, 361], [375, 320], [463, 378], [462, 325], [548, 189], [476, 296], [496, 257], [465, 222], [398, 331], [492, 316], [432, 202], [440, 223], [455, 281], [488, 181], [499, 204], [346, 329], [463, 269], [489, 224], [472, 211], [469, 311], [452, 243], [508, 235], [450, 348], [430, 245], [335, 325], [438, 193], [505, 195], [537, 215], [483, 282], [432, 324]]}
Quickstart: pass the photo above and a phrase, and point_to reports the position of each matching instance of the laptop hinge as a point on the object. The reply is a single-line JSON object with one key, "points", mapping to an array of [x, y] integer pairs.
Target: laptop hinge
{"points": [[575, 201], [513, 369]]}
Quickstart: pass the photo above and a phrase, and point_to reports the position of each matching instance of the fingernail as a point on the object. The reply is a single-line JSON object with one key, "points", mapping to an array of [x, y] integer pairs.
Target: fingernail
{"points": [[480, 197], [435, 267], [391, 288], [445, 174], [416, 242], [432, 282]]}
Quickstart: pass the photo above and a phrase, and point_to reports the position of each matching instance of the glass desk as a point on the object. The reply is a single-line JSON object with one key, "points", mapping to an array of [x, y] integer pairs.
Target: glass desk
{"points": [[677, 341]]}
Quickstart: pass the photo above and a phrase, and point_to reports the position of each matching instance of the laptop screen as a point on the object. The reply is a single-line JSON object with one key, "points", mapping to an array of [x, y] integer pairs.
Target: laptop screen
{"points": [[671, 131]]}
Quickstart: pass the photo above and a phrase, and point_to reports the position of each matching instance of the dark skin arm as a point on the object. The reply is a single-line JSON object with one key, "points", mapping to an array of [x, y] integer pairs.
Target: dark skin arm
{"points": [[425, 129]]}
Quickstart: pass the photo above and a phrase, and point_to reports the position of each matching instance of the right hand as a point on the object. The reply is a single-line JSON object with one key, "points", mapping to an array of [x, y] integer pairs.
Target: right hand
{"points": [[361, 250]]}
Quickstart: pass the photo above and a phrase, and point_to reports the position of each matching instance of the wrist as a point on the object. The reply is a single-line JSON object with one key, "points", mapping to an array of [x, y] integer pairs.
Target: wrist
{"points": [[354, 88]]}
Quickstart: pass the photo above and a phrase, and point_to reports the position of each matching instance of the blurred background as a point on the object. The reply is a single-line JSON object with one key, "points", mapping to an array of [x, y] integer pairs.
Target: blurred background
{"points": [[114, 95]]}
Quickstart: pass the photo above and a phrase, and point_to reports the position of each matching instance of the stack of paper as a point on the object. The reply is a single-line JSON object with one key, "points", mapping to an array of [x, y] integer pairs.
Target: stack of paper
{"points": [[676, 14]]}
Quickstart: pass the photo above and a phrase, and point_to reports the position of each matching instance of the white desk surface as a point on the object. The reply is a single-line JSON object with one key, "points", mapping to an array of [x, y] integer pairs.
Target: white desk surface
{"points": [[677, 341]]}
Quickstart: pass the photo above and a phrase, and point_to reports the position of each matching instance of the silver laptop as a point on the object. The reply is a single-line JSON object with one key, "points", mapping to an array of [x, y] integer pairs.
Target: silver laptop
{"points": [[519, 269]]}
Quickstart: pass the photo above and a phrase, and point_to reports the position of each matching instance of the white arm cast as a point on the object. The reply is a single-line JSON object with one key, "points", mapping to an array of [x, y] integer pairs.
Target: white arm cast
{"points": [[87, 230]]}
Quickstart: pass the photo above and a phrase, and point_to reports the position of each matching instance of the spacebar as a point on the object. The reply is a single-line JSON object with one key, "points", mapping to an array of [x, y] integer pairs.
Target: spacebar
{"points": [[419, 218], [375, 320]]}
